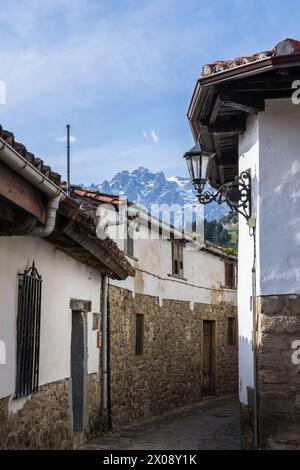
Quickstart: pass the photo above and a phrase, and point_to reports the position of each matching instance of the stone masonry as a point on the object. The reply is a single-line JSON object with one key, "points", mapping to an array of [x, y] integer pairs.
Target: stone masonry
{"points": [[278, 377], [169, 372], [42, 423], [44, 420]]}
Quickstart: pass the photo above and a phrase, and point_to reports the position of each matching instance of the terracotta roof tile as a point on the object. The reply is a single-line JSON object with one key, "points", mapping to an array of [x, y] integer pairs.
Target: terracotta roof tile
{"points": [[9, 138], [100, 197]]}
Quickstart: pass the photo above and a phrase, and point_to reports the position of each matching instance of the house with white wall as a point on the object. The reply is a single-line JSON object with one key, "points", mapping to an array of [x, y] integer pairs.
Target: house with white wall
{"points": [[53, 279], [172, 327], [246, 114]]}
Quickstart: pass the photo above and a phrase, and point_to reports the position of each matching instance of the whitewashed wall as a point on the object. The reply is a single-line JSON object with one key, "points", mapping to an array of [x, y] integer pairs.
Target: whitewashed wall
{"points": [[204, 273], [63, 279], [279, 198], [249, 158], [271, 148]]}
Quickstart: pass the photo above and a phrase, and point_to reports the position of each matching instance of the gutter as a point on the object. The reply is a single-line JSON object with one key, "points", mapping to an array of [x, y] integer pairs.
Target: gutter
{"points": [[241, 71], [105, 353], [21, 166]]}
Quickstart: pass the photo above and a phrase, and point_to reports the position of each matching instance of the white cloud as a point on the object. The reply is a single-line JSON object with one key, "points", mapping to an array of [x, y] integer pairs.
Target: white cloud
{"points": [[73, 139], [154, 136]]}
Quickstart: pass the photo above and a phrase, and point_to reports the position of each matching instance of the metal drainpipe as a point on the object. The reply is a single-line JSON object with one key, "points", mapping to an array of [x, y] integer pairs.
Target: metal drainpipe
{"points": [[104, 286], [21, 166], [254, 341], [51, 212]]}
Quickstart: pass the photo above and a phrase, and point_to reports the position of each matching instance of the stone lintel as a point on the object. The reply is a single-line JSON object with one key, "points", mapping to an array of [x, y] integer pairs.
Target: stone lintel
{"points": [[81, 305]]}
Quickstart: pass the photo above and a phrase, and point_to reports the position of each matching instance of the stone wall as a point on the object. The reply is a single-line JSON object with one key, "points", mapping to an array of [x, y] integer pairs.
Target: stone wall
{"points": [[169, 373], [278, 377], [42, 423], [94, 406]]}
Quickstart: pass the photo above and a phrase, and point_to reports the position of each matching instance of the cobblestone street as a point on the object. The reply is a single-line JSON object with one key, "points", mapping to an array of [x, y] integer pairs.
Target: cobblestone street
{"points": [[211, 424]]}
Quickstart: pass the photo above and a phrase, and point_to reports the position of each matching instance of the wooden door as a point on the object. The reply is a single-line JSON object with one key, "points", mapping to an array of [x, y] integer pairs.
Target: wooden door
{"points": [[208, 386]]}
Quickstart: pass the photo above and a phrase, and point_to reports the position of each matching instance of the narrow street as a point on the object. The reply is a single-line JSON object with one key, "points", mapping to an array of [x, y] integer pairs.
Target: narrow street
{"points": [[210, 425]]}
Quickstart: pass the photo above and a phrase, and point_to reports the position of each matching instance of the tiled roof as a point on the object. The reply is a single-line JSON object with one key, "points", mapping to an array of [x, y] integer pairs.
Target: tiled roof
{"points": [[71, 209], [99, 197], [286, 47], [88, 220], [9, 138]]}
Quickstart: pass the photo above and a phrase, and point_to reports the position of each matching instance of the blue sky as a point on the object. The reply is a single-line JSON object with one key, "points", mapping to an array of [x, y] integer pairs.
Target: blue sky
{"points": [[121, 73]]}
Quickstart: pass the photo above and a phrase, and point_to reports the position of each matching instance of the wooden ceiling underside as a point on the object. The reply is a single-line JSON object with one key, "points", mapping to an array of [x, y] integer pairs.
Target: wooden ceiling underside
{"points": [[221, 113]]}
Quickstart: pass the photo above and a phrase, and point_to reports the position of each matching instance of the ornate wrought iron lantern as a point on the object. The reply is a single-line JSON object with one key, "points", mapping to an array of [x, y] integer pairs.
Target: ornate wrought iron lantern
{"points": [[237, 193]]}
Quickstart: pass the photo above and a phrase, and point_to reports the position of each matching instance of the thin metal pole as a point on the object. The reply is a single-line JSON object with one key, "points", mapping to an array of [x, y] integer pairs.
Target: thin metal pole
{"points": [[104, 342], [68, 159], [254, 340]]}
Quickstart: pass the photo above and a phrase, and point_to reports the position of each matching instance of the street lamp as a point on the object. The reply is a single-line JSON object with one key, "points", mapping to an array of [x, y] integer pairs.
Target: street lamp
{"points": [[237, 193]]}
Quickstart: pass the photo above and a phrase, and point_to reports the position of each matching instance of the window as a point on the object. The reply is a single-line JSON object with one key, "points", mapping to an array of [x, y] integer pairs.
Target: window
{"points": [[230, 275], [139, 334], [177, 259], [129, 241], [28, 332], [231, 331]]}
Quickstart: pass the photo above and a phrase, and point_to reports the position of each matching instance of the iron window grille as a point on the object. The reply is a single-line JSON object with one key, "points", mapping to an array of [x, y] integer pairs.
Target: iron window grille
{"points": [[28, 331]]}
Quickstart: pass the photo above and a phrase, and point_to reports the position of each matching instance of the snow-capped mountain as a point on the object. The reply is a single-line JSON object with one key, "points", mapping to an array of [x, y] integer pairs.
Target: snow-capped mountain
{"points": [[145, 188]]}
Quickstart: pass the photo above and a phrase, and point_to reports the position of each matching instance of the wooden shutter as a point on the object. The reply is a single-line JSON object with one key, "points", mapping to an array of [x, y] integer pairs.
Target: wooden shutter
{"points": [[180, 259], [229, 275], [177, 259], [129, 242]]}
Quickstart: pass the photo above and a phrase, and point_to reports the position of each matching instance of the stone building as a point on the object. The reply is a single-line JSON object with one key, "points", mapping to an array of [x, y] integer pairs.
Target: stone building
{"points": [[246, 114], [52, 268], [172, 328]]}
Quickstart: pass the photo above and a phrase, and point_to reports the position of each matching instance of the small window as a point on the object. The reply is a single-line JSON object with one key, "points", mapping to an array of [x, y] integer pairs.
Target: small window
{"points": [[139, 334], [230, 276], [177, 259], [129, 241], [231, 331], [28, 332]]}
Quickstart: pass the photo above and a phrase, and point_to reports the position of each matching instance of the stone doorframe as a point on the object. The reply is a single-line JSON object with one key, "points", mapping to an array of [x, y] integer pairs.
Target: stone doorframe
{"points": [[79, 416]]}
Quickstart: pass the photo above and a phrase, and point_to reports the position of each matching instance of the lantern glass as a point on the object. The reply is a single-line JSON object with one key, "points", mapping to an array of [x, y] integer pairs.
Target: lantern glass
{"points": [[204, 167]]}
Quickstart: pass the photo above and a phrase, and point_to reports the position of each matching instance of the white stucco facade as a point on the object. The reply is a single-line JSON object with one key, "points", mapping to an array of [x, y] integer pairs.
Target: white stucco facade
{"points": [[63, 279], [203, 273], [270, 148]]}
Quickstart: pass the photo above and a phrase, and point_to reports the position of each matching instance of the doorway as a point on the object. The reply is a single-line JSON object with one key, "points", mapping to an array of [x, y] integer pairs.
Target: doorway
{"points": [[208, 381], [79, 369]]}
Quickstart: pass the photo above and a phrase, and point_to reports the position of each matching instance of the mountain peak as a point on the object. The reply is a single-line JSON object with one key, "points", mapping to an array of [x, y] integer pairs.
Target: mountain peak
{"points": [[146, 188]]}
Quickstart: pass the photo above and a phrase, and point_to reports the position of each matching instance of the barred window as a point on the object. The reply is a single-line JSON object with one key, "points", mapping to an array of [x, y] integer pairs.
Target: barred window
{"points": [[28, 332]]}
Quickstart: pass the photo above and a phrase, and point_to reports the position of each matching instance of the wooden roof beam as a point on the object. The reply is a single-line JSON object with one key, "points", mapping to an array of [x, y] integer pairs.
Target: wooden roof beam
{"points": [[242, 102]]}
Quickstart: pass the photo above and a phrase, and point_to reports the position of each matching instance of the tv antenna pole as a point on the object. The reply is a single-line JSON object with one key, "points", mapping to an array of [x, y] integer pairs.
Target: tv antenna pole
{"points": [[68, 160]]}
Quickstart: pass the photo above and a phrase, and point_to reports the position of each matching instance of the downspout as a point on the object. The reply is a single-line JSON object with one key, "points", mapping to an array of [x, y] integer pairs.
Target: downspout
{"points": [[254, 341], [104, 295], [48, 227], [35, 177]]}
